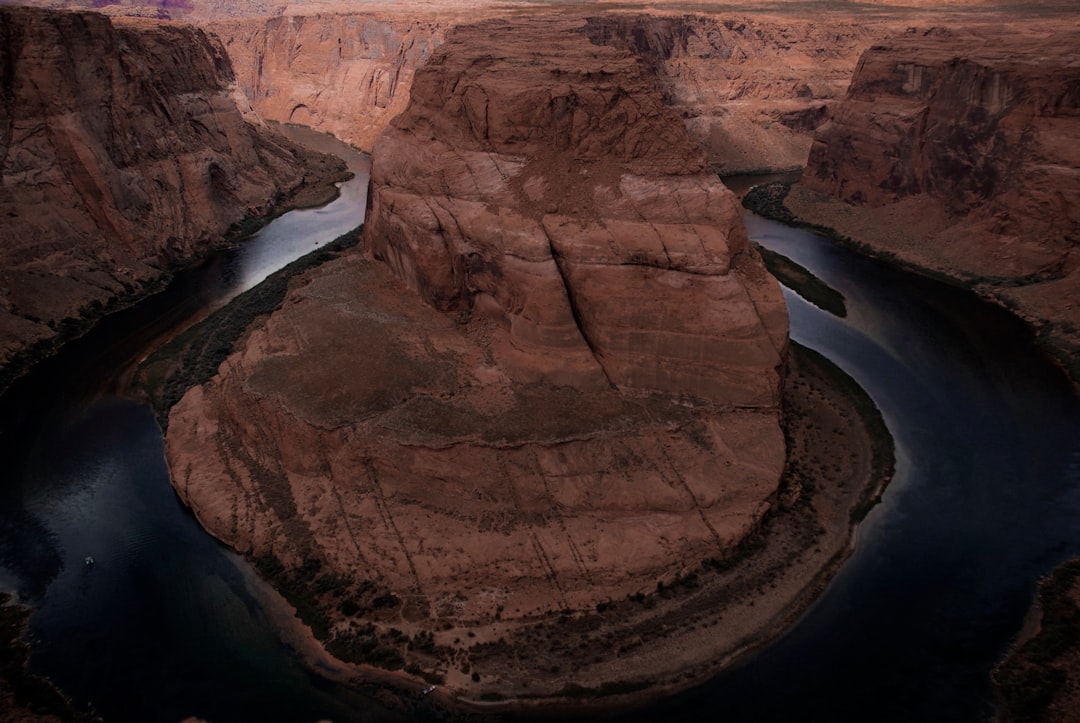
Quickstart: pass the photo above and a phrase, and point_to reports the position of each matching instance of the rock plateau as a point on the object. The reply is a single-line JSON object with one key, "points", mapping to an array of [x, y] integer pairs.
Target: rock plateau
{"points": [[125, 148], [557, 386]]}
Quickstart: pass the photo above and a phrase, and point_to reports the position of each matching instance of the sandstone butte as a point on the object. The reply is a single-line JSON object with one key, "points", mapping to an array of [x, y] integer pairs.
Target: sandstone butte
{"points": [[125, 149], [556, 385], [958, 151]]}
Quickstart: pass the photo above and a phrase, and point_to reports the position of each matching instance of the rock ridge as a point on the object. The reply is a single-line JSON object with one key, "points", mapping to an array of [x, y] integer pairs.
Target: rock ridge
{"points": [[515, 212], [125, 149], [970, 137], [549, 381]]}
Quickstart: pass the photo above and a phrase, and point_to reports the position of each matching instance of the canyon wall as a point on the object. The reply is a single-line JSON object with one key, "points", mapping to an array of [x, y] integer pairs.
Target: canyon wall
{"points": [[125, 148], [554, 195], [750, 91], [346, 75], [551, 381], [959, 151]]}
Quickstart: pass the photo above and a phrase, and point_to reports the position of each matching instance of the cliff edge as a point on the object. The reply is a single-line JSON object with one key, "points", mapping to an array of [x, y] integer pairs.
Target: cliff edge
{"points": [[125, 149], [552, 382], [956, 151]]}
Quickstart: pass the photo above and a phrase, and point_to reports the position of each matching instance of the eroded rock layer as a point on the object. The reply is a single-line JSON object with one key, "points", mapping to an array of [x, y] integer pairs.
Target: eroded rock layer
{"points": [[750, 90], [347, 75], [558, 386], [959, 151], [556, 195], [124, 148]]}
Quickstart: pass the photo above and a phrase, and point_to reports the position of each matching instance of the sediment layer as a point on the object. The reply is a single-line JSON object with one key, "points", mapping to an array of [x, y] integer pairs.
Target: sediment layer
{"points": [[125, 149], [558, 384]]}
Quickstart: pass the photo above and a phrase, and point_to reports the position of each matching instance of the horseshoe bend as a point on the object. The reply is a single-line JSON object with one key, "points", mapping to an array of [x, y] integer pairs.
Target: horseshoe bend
{"points": [[541, 434]]}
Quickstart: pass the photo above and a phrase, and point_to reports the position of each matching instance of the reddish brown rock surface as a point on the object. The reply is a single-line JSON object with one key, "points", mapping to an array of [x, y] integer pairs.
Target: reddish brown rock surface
{"points": [[566, 391], [553, 193], [957, 151], [347, 75], [124, 149], [750, 89]]}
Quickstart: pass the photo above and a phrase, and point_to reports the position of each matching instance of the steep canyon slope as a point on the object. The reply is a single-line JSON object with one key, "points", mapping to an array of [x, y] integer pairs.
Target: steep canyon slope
{"points": [[957, 151], [750, 89], [125, 148], [558, 384]]}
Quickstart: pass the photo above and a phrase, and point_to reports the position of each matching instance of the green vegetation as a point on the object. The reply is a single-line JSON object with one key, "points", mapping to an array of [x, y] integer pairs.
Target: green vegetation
{"points": [[1033, 675], [883, 458]]}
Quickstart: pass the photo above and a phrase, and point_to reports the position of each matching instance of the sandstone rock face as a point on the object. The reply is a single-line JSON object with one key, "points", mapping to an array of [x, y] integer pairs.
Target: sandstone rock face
{"points": [[557, 386], [555, 195], [347, 75], [750, 90], [124, 148], [958, 151]]}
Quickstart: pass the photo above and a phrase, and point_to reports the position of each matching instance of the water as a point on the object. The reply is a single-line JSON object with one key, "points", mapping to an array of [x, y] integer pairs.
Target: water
{"points": [[167, 623], [986, 499]]}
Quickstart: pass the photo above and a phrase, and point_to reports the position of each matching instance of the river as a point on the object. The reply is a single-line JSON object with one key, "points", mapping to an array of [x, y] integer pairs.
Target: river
{"points": [[168, 624]]}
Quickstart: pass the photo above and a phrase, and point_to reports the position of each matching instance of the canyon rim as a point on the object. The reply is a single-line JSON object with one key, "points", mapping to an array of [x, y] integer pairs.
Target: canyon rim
{"points": [[547, 395], [491, 448]]}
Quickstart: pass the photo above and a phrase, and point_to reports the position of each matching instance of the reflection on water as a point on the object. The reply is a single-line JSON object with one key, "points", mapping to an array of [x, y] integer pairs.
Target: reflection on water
{"points": [[166, 623]]}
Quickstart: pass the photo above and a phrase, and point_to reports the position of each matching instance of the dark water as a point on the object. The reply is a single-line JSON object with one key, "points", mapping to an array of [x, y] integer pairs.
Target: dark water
{"points": [[985, 500], [168, 624]]}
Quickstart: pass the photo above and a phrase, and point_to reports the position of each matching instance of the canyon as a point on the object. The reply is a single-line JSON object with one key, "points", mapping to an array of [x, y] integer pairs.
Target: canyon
{"points": [[126, 150], [550, 397], [552, 381], [955, 151], [750, 90]]}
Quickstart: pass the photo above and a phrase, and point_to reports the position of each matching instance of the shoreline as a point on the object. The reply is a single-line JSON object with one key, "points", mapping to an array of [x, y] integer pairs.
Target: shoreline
{"points": [[772, 200], [766, 587], [22, 361]]}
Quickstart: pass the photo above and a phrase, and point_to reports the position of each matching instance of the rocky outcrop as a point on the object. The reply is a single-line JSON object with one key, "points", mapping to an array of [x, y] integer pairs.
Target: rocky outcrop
{"points": [[124, 149], [750, 90], [957, 151], [551, 194], [556, 387], [346, 75]]}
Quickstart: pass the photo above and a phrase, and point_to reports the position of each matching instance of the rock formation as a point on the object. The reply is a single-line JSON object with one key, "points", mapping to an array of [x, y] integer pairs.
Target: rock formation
{"points": [[750, 90], [558, 387], [346, 75], [124, 149], [957, 151], [553, 196]]}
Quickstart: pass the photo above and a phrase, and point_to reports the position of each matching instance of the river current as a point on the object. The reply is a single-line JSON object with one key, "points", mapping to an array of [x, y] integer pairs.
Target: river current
{"points": [[167, 623]]}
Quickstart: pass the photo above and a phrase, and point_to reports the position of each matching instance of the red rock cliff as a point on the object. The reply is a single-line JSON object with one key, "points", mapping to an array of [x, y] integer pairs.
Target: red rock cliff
{"points": [[347, 75], [124, 148], [750, 90], [445, 441], [556, 194], [959, 151]]}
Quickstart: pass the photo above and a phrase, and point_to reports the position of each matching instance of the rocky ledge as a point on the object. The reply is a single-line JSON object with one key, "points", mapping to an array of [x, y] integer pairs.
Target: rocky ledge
{"points": [[558, 386], [125, 149], [956, 151]]}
